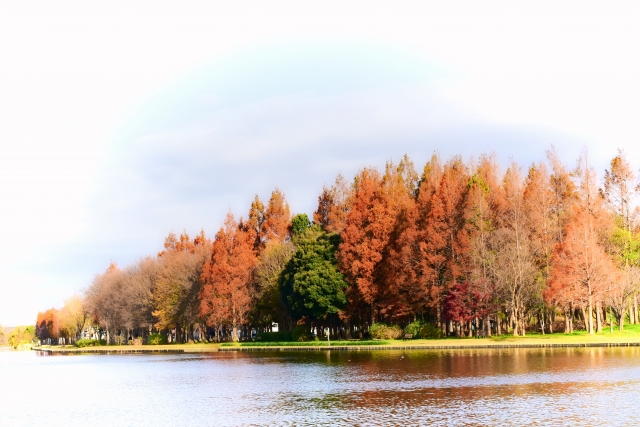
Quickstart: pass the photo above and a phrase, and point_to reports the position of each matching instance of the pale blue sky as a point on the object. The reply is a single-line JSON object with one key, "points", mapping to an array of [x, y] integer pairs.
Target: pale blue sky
{"points": [[121, 124]]}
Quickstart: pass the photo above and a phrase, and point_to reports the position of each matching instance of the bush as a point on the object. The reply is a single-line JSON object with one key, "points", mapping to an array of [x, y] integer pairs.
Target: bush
{"points": [[156, 339], [301, 333], [383, 331], [430, 331], [276, 336], [86, 342], [414, 328]]}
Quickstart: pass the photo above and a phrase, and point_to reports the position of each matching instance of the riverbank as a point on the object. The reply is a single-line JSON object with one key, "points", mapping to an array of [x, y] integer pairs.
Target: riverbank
{"points": [[627, 338]]}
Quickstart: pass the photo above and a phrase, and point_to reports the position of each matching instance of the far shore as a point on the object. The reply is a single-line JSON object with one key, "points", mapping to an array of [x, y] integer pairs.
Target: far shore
{"points": [[629, 338]]}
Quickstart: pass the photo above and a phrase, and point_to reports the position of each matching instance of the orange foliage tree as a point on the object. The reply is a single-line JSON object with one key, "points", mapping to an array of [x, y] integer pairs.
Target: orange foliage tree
{"points": [[225, 297]]}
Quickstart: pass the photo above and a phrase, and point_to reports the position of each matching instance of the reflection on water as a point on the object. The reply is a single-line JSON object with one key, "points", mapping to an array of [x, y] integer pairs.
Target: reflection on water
{"points": [[459, 387]]}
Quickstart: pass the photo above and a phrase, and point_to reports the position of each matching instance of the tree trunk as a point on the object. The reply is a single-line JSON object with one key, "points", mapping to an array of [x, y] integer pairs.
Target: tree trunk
{"points": [[598, 317]]}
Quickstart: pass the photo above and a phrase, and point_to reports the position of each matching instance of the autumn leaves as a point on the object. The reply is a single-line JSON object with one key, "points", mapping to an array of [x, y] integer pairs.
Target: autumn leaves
{"points": [[461, 245]]}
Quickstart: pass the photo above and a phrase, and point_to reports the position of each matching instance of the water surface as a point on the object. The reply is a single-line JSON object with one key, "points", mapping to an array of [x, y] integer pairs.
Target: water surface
{"points": [[459, 387]]}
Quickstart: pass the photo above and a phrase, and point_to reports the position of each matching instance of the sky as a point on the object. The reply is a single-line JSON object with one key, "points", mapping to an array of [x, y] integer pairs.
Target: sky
{"points": [[122, 122]]}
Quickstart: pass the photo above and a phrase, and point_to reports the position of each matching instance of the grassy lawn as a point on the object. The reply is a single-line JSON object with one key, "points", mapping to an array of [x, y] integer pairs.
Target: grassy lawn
{"points": [[631, 334]]}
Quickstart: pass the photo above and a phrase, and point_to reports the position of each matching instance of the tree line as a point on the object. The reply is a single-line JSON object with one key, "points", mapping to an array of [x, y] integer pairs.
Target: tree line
{"points": [[461, 244]]}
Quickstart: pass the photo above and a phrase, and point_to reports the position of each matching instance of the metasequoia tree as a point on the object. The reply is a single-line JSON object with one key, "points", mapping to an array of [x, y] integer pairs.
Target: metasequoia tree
{"points": [[513, 270], [268, 306], [399, 186], [255, 222], [444, 246], [620, 193], [140, 281], [177, 286], [104, 302], [73, 317], [406, 252], [364, 237], [538, 200], [377, 202], [580, 262], [277, 218], [226, 277], [48, 324], [334, 204], [485, 202]]}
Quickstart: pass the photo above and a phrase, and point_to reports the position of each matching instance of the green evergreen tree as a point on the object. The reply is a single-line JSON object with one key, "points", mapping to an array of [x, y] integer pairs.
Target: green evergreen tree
{"points": [[311, 284]]}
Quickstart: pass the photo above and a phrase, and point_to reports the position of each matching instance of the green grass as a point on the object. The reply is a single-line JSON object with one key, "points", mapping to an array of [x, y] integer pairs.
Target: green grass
{"points": [[305, 344], [631, 333]]}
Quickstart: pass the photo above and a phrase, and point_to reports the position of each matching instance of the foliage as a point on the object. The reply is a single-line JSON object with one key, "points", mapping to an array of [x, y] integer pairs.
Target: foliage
{"points": [[311, 283], [48, 324], [268, 306], [225, 295], [414, 328], [301, 333], [300, 223], [86, 342], [461, 243], [465, 302], [156, 339], [22, 336], [430, 331], [385, 332]]}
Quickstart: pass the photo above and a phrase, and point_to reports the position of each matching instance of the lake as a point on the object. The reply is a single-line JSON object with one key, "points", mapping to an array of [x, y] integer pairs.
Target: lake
{"points": [[573, 386]]}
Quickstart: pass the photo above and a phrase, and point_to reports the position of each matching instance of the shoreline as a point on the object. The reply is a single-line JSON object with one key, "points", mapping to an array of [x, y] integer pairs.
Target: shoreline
{"points": [[435, 345]]}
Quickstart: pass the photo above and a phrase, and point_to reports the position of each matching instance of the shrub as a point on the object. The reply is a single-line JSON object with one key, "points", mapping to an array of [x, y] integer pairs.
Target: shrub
{"points": [[301, 333], [414, 328], [430, 331], [383, 331], [156, 339], [276, 336], [86, 342]]}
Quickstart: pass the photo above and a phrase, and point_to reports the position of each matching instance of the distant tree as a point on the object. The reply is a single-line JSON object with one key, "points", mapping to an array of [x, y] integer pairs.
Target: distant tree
{"points": [[580, 263], [48, 324], [268, 306], [225, 295], [620, 193], [311, 283], [3, 337], [377, 203], [73, 317], [277, 218], [22, 335], [300, 223], [444, 241], [465, 302], [176, 288], [334, 204], [254, 225], [514, 270]]}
